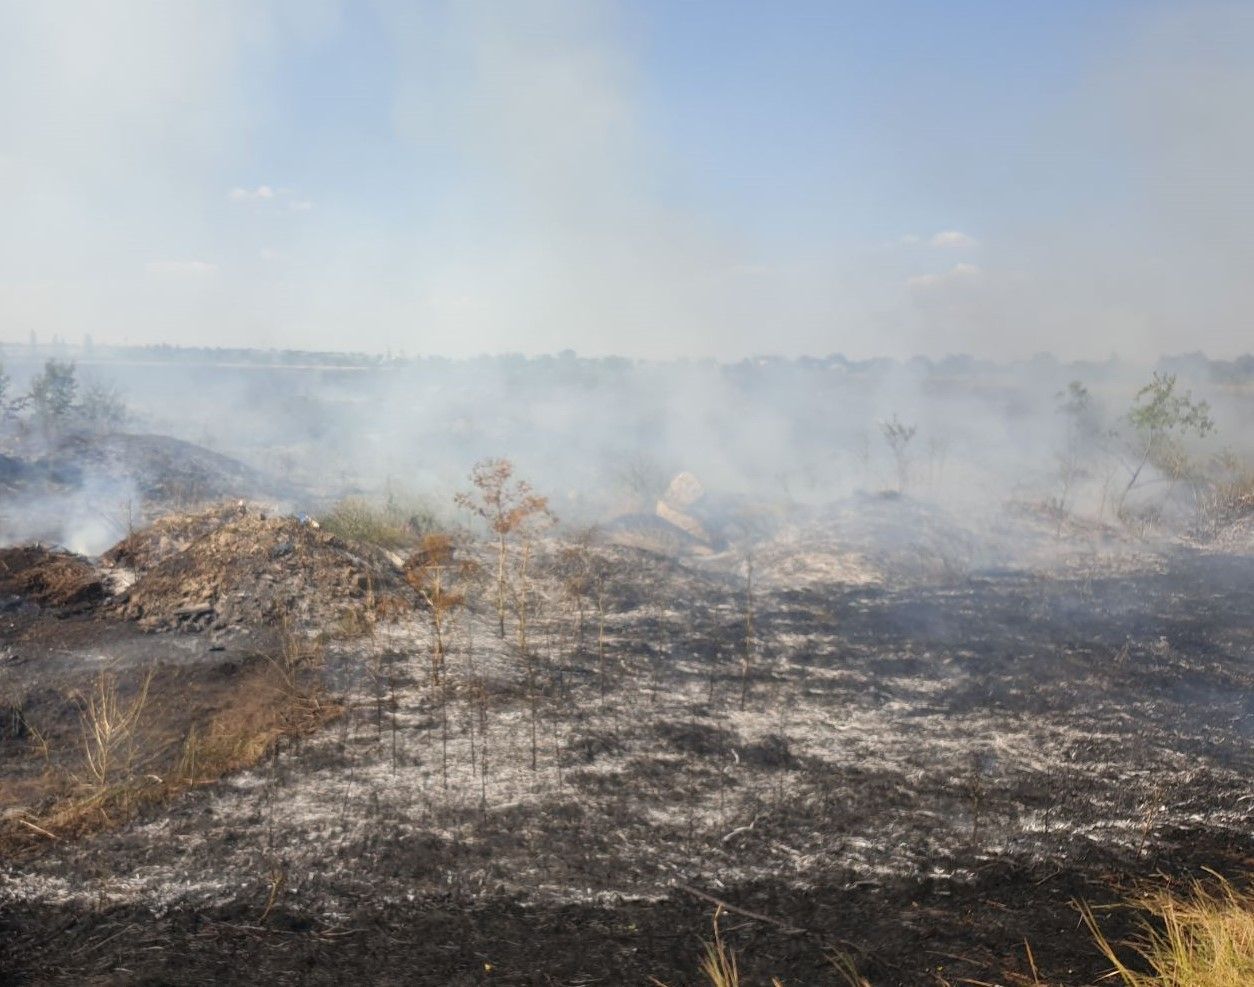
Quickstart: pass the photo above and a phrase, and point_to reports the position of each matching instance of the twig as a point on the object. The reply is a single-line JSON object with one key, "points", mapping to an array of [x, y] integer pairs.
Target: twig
{"points": [[40, 830], [757, 916]]}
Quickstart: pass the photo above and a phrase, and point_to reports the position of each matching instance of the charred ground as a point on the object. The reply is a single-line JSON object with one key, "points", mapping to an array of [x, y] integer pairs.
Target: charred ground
{"points": [[917, 753]]}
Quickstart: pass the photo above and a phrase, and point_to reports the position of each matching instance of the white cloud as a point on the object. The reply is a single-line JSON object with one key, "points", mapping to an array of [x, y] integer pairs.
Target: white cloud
{"points": [[239, 194], [959, 272], [180, 267], [270, 193], [952, 238]]}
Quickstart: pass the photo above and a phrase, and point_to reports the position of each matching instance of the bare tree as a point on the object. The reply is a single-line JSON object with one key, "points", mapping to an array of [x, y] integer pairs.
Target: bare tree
{"points": [[898, 436]]}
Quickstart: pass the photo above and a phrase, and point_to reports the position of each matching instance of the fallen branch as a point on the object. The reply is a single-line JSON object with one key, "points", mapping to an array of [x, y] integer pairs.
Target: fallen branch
{"points": [[40, 830], [756, 916]]}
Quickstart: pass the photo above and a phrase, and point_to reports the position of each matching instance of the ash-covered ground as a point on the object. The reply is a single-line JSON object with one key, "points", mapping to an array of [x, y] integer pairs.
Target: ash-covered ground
{"points": [[873, 730]]}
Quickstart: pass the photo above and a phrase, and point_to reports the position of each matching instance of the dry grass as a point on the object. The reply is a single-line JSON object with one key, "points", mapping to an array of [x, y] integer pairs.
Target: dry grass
{"points": [[720, 967], [130, 758], [1204, 938], [108, 723], [718, 964], [395, 524]]}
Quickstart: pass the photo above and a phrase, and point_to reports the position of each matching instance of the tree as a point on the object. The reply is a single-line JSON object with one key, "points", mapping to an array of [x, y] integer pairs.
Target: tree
{"points": [[898, 436], [9, 408], [509, 506], [1160, 418], [1075, 404], [101, 408], [52, 394]]}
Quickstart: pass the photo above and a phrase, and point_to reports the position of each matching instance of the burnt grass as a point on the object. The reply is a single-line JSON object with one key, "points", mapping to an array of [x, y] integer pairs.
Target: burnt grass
{"points": [[925, 777]]}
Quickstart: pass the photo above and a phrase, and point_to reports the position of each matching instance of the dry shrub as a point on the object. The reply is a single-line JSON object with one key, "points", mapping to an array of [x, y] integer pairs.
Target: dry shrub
{"points": [[719, 965], [108, 722], [122, 769], [1230, 494], [240, 736], [392, 525], [1203, 938]]}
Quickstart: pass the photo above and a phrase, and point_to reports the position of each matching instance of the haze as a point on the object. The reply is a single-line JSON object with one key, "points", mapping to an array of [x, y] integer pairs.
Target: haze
{"points": [[646, 179]]}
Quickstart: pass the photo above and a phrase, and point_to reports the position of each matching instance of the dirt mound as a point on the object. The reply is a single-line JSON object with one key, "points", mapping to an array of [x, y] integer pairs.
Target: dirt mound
{"points": [[255, 570], [162, 469], [167, 536], [49, 577]]}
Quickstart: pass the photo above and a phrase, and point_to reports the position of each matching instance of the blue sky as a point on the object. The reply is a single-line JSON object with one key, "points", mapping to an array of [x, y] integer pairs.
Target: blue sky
{"points": [[652, 178]]}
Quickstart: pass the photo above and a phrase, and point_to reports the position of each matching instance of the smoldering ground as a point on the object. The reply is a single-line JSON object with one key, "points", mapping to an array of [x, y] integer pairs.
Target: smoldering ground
{"points": [[604, 437], [905, 715]]}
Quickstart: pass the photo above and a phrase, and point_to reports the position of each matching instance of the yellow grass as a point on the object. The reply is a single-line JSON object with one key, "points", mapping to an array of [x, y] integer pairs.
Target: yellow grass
{"points": [[721, 969], [1204, 938]]}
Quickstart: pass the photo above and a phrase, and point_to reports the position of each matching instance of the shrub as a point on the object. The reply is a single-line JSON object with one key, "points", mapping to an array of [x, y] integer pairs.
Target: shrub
{"points": [[395, 524]]}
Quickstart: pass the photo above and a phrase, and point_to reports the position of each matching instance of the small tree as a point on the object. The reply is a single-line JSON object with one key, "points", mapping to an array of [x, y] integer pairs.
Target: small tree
{"points": [[577, 570], [101, 408], [1075, 404], [52, 395], [509, 506], [1160, 418], [898, 436], [434, 573]]}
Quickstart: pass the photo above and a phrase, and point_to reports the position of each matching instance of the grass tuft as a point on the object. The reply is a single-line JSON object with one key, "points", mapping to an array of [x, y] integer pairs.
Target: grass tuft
{"points": [[395, 524], [1204, 938]]}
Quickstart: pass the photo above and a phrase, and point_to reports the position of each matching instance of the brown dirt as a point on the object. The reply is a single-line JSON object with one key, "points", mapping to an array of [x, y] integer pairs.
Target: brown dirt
{"points": [[49, 577]]}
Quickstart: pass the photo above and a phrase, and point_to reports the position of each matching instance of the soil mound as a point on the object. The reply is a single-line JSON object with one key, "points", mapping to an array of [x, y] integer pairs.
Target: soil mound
{"points": [[162, 469], [167, 536], [254, 570], [48, 577]]}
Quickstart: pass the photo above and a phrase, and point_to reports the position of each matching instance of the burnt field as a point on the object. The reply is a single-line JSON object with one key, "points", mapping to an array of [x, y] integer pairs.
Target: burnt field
{"points": [[919, 760]]}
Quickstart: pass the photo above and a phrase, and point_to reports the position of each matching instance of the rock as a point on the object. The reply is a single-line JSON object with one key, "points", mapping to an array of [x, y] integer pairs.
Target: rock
{"points": [[685, 490]]}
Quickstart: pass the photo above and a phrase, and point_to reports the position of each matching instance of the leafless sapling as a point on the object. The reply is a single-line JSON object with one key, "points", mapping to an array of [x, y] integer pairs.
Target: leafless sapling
{"points": [[509, 506], [746, 662], [898, 435]]}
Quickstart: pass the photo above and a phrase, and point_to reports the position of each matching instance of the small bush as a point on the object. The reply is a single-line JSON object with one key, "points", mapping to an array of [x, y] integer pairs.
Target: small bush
{"points": [[396, 524]]}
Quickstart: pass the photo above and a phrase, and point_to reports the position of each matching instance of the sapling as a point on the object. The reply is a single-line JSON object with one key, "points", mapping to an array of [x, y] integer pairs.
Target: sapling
{"points": [[898, 436], [747, 659], [1076, 405], [436, 576], [509, 507], [522, 612], [601, 630], [1160, 418]]}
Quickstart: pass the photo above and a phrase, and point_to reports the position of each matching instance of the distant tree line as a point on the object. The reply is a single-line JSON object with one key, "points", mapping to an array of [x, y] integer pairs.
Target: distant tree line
{"points": [[57, 402]]}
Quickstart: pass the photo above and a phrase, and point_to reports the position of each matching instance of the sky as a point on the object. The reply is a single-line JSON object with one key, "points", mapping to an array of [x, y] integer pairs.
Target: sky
{"points": [[658, 178]]}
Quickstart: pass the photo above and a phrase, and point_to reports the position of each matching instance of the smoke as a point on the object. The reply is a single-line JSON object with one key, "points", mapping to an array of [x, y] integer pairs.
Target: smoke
{"points": [[473, 177], [479, 178]]}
